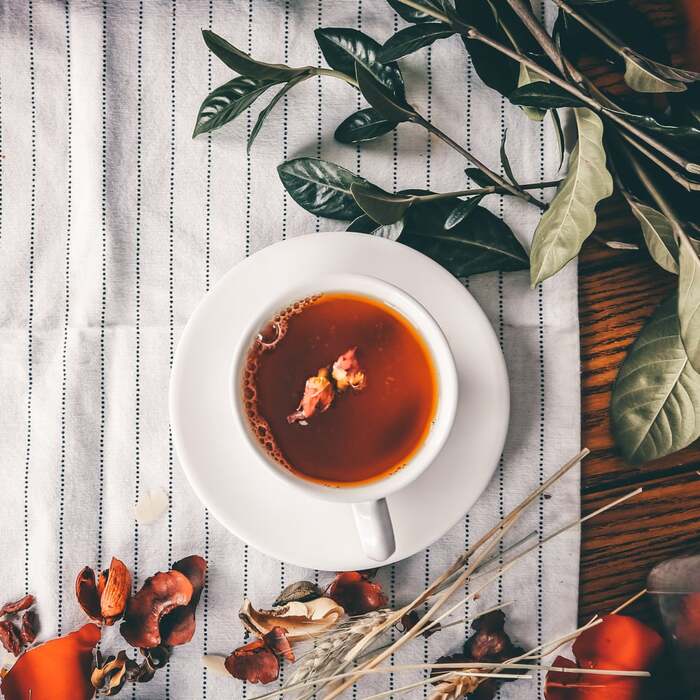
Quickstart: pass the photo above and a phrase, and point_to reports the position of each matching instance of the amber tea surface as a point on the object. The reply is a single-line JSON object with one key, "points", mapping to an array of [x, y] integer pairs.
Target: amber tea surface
{"points": [[362, 432]]}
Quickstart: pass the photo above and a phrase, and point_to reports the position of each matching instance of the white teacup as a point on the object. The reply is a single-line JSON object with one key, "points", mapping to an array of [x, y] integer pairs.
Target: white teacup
{"points": [[372, 516]]}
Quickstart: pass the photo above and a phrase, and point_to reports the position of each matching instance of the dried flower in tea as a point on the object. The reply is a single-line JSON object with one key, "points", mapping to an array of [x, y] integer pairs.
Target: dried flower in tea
{"points": [[317, 398], [347, 372]]}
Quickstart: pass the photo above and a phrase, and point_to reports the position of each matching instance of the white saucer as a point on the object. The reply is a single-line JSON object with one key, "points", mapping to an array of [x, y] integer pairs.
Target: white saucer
{"points": [[216, 456]]}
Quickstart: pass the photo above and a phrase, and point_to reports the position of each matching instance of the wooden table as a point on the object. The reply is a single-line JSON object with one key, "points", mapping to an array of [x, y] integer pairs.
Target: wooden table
{"points": [[618, 290]]}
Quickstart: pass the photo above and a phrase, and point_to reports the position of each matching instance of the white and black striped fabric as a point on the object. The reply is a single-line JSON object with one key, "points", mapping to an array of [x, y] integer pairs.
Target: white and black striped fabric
{"points": [[114, 223]]}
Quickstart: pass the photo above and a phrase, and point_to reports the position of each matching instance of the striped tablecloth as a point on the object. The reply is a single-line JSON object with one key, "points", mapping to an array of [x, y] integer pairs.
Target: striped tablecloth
{"points": [[114, 223]]}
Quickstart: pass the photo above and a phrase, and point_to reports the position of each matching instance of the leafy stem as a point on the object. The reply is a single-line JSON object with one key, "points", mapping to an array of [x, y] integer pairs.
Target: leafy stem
{"points": [[334, 74], [427, 10], [512, 189], [492, 189]]}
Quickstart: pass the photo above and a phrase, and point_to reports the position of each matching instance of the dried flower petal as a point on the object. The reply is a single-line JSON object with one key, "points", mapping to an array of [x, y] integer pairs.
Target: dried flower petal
{"points": [[114, 591], [347, 372], [59, 668], [157, 657], [159, 595], [300, 620], [151, 506], [109, 675], [254, 663], [299, 591], [86, 593], [317, 398], [17, 606], [277, 642], [356, 593], [178, 627], [28, 627], [9, 637]]}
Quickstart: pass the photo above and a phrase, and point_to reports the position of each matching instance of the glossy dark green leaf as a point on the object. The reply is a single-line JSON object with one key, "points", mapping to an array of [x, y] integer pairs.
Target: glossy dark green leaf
{"points": [[388, 105], [362, 224], [505, 163], [364, 125], [479, 243], [544, 96], [321, 187], [412, 15], [265, 112], [413, 38], [559, 135], [242, 63], [481, 179], [342, 47], [687, 136], [383, 207], [462, 211], [228, 101], [655, 408]]}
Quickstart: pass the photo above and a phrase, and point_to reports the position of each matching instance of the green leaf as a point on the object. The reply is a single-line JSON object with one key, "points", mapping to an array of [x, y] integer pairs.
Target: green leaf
{"points": [[559, 135], [689, 297], [571, 218], [687, 136], [383, 207], [644, 75], [343, 47], [228, 101], [243, 64], [265, 112], [658, 234], [388, 105], [480, 178], [462, 211], [505, 163], [543, 96], [411, 15], [363, 224], [413, 38], [321, 187], [527, 77], [364, 125], [655, 408], [479, 243]]}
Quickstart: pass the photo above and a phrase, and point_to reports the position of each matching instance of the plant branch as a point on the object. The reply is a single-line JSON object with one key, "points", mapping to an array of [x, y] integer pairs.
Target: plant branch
{"points": [[427, 10], [502, 182], [492, 189], [335, 74]]}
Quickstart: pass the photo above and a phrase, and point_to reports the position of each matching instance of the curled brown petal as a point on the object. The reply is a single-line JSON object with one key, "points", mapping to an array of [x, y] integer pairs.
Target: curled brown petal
{"points": [[109, 675], [254, 663], [159, 595], [28, 627], [356, 593], [17, 606], [178, 627], [9, 637], [86, 593], [276, 641]]}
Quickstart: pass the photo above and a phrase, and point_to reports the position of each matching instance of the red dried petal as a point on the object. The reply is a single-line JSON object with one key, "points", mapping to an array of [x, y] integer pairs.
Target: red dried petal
{"points": [[18, 605], [618, 642], [277, 642], [28, 627], [254, 663], [86, 593], [356, 593], [178, 627], [9, 637]]}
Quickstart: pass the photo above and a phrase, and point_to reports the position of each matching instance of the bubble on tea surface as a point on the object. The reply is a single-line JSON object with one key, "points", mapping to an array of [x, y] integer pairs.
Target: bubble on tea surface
{"points": [[266, 340]]}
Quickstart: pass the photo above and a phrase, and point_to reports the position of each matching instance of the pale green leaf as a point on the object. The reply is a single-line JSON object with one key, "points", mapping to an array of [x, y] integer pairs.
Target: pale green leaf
{"points": [[655, 408], [658, 234], [689, 297], [644, 75], [527, 76], [571, 217]]}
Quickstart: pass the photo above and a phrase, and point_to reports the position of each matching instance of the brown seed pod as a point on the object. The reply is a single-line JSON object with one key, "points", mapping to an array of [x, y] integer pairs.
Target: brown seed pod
{"points": [[86, 593], [159, 595], [178, 627], [114, 588]]}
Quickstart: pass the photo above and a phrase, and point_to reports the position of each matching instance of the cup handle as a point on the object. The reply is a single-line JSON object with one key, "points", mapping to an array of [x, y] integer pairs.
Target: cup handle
{"points": [[375, 529]]}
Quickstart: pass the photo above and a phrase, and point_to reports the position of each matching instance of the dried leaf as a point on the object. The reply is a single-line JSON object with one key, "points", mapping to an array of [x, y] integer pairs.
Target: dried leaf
{"points": [[299, 591]]}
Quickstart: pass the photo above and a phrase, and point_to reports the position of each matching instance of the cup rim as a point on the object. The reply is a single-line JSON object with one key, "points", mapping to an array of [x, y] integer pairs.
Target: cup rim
{"points": [[444, 367]]}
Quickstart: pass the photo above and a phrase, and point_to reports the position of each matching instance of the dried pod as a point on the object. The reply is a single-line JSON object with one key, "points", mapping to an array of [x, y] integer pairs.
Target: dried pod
{"points": [[300, 620], [140, 673], [299, 591], [178, 627], [28, 627], [158, 656], [17, 606], [9, 637], [114, 589], [86, 593], [277, 642], [109, 675], [159, 595], [356, 593], [254, 663]]}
